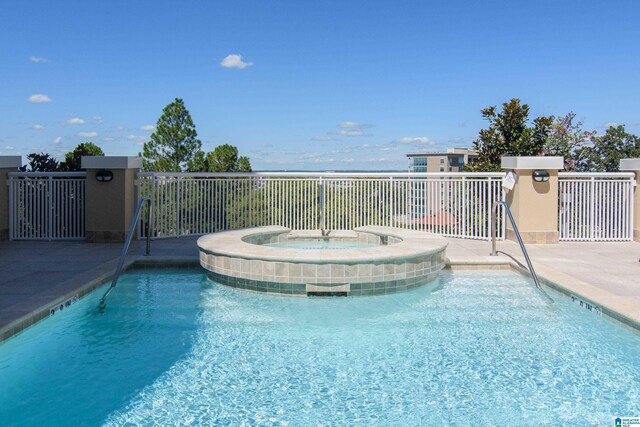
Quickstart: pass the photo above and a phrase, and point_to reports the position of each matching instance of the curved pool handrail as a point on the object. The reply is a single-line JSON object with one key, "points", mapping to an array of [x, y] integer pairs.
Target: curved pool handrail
{"points": [[127, 242], [494, 212]]}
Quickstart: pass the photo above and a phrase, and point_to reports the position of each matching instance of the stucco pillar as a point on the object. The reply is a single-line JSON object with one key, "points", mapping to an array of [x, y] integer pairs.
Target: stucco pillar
{"points": [[534, 205], [110, 205], [633, 165], [7, 164]]}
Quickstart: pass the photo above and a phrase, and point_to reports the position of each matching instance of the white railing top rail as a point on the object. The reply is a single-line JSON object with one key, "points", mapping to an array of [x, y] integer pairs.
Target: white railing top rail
{"points": [[331, 174], [48, 174], [596, 175], [326, 174]]}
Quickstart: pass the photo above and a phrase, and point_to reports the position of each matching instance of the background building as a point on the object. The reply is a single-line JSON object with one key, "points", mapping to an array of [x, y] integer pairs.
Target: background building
{"points": [[453, 160]]}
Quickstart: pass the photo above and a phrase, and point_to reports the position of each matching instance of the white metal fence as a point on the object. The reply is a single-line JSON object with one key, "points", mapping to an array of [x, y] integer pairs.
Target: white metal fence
{"points": [[46, 205], [595, 206], [592, 206], [451, 204]]}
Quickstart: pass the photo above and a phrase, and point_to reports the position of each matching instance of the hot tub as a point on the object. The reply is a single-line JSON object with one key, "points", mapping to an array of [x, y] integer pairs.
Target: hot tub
{"points": [[368, 260]]}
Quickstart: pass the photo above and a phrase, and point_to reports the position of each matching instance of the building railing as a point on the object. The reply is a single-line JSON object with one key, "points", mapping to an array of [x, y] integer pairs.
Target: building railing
{"points": [[46, 205], [595, 206], [592, 206], [450, 204]]}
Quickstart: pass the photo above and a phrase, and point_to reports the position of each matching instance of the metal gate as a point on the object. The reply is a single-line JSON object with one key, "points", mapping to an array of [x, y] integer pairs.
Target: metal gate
{"points": [[46, 205], [595, 206]]}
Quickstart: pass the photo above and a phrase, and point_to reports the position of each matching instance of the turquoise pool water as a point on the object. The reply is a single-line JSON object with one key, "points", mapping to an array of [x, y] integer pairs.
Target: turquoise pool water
{"points": [[175, 349], [320, 244]]}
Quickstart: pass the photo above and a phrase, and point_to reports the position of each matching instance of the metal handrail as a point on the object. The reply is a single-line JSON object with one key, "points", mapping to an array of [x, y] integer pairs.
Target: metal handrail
{"points": [[494, 212], [127, 242]]}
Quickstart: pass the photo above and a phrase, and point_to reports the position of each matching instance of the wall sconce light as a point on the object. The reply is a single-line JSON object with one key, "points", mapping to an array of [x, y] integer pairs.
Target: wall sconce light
{"points": [[104, 175], [540, 176]]}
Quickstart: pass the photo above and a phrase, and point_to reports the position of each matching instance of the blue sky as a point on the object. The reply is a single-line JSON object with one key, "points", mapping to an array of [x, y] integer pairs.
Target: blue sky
{"points": [[324, 85]]}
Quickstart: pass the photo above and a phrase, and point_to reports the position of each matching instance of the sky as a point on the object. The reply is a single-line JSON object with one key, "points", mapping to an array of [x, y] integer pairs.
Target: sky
{"points": [[301, 85]]}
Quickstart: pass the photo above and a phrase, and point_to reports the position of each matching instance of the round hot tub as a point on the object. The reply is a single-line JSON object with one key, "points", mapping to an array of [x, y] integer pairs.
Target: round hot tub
{"points": [[369, 260]]}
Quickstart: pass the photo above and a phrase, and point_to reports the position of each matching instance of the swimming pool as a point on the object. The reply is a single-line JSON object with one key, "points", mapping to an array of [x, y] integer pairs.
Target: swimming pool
{"points": [[175, 348]]}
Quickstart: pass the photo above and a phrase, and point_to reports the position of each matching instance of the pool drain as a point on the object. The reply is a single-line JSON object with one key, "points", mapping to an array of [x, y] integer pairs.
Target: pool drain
{"points": [[328, 294], [340, 290]]}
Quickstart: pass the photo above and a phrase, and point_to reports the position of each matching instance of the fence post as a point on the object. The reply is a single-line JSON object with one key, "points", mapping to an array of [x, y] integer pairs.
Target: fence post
{"points": [[392, 204], [250, 181], [633, 165], [50, 203], [592, 209], [534, 205], [7, 164], [464, 207], [110, 203], [322, 212], [178, 206]]}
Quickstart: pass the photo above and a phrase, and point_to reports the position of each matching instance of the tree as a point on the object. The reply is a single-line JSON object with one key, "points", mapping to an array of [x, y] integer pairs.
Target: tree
{"points": [[72, 160], [198, 163], [509, 135], [223, 158], [174, 143], [243, 165], [567, 139], [607, 150], [42, 162]]}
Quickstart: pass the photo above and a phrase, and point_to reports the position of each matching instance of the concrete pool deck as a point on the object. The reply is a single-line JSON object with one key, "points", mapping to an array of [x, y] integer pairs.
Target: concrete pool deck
{"points": [[37, 275]]}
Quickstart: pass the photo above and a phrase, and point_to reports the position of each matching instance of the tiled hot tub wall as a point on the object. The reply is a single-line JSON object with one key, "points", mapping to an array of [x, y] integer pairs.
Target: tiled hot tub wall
{"points": [[300, 278]]}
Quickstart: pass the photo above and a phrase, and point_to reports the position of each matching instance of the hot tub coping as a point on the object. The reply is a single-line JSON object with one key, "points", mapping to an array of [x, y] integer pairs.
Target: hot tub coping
{"points": [[412, 244]]}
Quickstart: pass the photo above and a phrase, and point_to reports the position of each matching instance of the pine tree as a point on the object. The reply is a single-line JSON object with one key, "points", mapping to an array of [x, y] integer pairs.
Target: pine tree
{"points": [[174, 143]]}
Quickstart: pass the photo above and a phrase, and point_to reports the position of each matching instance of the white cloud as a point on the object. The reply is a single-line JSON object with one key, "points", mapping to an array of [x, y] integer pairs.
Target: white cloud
{"points": [[322, 138], [610, 124], [414, 140], [342, 150], [136, 138], [57, 140], [8, 147], [150, 128], [348, 132], [120, 127], [353, 125], [235, 61], [39, 98], [75, 121], [37, 126], [97, 119], [38, 59], [351, 129], [88, 134], [108, 139]]}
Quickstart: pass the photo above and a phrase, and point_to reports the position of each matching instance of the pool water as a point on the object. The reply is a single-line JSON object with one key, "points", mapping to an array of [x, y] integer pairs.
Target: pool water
{"points": [[321, 244], [175, 348]]}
